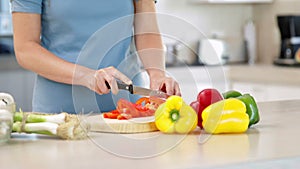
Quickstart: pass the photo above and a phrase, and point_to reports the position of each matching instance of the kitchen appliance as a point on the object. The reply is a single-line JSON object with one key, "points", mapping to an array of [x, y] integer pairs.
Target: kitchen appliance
{"points": [[179, 54], [250, 42], [289, 27], [212, 52]]}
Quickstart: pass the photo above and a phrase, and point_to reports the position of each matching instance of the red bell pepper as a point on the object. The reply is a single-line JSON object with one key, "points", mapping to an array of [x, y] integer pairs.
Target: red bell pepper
{"points": [[205, 98]]}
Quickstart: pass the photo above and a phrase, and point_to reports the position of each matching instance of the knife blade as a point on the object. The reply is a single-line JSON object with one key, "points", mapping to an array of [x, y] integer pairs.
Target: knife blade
{"points": [[139, 90]]}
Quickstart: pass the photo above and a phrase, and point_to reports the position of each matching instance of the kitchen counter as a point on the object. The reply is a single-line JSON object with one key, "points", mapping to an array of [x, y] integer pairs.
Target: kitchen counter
{"points": [[267, 74], [260, 73], [264, 82], [274, 141]]}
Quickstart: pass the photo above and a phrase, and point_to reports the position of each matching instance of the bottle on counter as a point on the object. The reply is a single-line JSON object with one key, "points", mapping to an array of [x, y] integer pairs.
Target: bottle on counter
{"points": [[250, 40]]}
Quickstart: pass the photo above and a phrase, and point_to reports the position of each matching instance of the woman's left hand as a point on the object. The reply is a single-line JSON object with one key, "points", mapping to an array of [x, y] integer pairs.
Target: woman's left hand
{"points": [[159, 81]]}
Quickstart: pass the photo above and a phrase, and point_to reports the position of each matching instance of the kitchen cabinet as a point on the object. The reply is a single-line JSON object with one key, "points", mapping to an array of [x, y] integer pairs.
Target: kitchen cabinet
{"points": [[230, 1]]}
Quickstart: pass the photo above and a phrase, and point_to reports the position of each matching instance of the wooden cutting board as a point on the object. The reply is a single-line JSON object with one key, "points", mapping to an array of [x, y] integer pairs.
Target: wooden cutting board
{"points": [[134, 125]]}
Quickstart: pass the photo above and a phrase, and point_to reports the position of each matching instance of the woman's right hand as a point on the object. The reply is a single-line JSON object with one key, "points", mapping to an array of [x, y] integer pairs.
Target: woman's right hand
{"points": [[96, 80]]}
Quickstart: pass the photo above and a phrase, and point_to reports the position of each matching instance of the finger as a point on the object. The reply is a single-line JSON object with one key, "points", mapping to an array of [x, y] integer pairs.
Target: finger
{"points": [[101, 86], [114, 86], [111, 82], [96, 88], [169, 87], [117, 74], [177, 90], [101, 77], [154, 85]]}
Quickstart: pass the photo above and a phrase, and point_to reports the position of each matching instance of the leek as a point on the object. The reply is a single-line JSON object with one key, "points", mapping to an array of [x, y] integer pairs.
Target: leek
{"points": [[39, 128], [37, 118], [63, 125], [69, 130]]}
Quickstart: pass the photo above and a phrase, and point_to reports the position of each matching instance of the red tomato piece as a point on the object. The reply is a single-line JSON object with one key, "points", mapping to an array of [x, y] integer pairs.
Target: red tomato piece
{"points": [[140, 107], [149, 112], [115, 112], [124, 116], [156, 101], [143, 101], [126, 107], [105, 115], [110, 115]]}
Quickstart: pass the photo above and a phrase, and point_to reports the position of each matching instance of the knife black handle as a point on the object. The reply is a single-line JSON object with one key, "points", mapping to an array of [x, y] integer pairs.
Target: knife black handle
{"points": [[122, 86]]}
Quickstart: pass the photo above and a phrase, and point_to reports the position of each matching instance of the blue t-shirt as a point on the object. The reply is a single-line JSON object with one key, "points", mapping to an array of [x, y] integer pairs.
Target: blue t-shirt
{"points": [[93, 33]]}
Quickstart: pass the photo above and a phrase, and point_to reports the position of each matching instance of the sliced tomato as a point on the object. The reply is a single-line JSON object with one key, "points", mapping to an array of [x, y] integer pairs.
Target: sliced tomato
{"points": [[143, 101], [124, 116], [126, 107], [115, 112], [140, 107], [156, 101], [105, 115], [149, 112], [143, 107], [110, 115]]}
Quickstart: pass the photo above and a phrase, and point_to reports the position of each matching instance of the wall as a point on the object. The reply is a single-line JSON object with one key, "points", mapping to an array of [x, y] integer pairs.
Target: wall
{"points": [[226, 21], [268, 32], [5, 18], [4, 6]]}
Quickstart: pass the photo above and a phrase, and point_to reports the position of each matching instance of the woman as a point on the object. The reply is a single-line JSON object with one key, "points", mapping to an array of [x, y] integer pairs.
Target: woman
{"points": [[49, 36]]}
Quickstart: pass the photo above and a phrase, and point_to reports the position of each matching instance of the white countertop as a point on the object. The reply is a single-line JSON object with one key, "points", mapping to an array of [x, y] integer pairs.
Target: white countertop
{"points": [[264, 82], [267, 74], [259, 73], [276, 137]]}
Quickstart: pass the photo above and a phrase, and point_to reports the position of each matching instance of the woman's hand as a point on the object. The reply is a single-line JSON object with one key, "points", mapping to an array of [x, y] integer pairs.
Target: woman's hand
{"points": [[159, 81], [96, 80]]}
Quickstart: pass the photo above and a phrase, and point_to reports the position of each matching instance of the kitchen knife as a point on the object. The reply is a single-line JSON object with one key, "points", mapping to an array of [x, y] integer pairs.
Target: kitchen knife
{"points": [[139, 90]]}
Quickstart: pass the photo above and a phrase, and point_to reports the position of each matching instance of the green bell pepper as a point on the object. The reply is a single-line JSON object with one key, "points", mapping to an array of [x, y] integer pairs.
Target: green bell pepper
{"points": [[231, 94], [251, 107]]}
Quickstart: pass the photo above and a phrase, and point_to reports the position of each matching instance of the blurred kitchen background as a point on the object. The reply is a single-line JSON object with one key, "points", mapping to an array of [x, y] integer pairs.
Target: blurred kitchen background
{"points": [[241, 32]]}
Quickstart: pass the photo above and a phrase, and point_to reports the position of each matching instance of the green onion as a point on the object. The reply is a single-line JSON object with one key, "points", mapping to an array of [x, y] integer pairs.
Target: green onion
{"points": [[36, 118], [63, 125]]}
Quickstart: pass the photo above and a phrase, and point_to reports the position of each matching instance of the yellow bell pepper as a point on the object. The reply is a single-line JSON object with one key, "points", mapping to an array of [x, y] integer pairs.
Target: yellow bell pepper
{"points": [[226, 116], [175, 116]]}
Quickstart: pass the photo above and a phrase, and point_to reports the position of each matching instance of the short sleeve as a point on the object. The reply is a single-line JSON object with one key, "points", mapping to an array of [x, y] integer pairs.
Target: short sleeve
{"points": [[29, 6]]}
